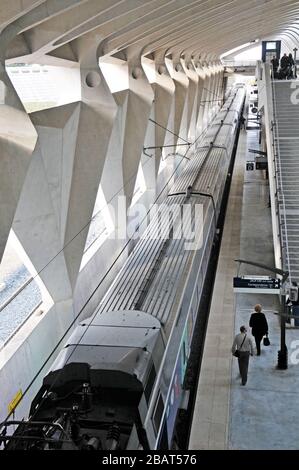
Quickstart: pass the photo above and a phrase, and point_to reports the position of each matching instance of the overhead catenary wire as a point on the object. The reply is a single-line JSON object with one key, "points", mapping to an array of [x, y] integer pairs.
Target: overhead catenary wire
{"points": [[165, 128], [104, 276], [211, 92], [87, 225], [97, 309], [94, 216], [96, 288]]}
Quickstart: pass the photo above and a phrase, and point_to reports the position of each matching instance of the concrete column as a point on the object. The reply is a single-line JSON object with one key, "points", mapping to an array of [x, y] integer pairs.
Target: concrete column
{"points": [[139, 99], [219, 87], [17, 142], [209, 95], [58, 199], [201, 93], [134, 97], [204, 98], [97, 114], [213, 95], [164, 90], [180, 99], [193, 78]]}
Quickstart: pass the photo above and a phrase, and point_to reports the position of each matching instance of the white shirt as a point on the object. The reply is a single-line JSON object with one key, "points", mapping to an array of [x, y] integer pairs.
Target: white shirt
{"points": [[246, 346]]}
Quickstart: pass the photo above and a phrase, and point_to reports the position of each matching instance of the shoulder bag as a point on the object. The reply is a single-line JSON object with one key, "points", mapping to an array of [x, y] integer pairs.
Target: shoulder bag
{"points": [[237, 352]]}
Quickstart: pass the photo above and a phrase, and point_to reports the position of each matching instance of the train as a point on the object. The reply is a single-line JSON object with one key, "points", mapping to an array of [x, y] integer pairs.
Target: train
{"points": [[118, 383]]}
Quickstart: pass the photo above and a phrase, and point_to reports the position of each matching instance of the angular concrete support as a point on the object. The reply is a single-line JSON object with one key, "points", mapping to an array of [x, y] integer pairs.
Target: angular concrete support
{"points": [[199, 111], [210, 90], [63, 179], [180, 99], [42, 210], [134, 100], [17, 141], [205, 75], [208, 95], [221, 83], [139, 103], [164, 89], [97, 114], [148, 158], [218, 90], [213, 96], [216, 86], [192, 97], [113, 187]]}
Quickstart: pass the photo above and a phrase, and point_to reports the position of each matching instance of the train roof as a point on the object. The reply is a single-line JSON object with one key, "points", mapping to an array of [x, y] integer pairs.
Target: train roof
{"points": [[121, 341]]}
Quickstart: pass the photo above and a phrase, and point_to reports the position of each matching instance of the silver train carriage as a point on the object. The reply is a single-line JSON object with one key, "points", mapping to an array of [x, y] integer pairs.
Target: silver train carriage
{"points": [[118, 382]]}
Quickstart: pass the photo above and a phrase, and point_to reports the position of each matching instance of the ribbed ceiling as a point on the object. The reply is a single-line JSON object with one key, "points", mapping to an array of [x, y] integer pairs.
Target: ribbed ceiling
{"points": [[205, 28]]}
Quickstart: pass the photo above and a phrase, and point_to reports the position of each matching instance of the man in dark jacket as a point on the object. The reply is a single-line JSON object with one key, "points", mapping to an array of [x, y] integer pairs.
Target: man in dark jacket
{"points": [[284, 61], [259, 326], [291, 60], [291, 64], [275, 65]]}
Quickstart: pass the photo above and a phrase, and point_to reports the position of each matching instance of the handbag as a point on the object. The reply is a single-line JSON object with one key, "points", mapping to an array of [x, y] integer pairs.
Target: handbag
{"points": [[237, 352], [266, 341]]}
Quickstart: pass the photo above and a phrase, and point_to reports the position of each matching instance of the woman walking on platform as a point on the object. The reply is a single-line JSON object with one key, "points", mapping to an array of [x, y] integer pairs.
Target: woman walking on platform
{"points": [[259, 325]]}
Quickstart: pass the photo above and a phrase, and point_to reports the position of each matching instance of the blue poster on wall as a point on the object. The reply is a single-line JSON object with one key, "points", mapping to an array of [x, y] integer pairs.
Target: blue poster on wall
{"points": [[175, 397]]}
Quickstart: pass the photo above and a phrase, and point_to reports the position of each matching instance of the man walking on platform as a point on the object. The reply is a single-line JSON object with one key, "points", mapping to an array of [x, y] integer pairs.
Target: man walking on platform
{"points": [[242, 347]]}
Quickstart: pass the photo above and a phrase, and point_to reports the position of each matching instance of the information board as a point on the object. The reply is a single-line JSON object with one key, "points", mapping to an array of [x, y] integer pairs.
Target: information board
{"points": [[256, 285]]}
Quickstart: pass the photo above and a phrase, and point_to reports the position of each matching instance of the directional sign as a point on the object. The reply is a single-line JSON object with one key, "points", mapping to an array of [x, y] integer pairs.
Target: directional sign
{"points": [[261, 165], [259, 152], [257, 285], [261, 162]]}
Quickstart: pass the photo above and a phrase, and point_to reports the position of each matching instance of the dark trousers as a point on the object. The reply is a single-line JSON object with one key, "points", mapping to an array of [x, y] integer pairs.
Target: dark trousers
{"points": [[243, 361], [258, 339]]}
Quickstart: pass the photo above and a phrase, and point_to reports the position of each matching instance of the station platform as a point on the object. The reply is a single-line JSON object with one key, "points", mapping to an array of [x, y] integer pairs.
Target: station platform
{"points": [[264, 414]]}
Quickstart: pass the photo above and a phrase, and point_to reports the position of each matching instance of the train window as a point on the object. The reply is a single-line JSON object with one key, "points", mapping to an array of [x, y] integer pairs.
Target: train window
{"points": [[158, 411], [199, 285], [204, 262], [184, 353], [163, 440], [210, 241], [150, 383], [201, 279], [190, 323], [194, 304]]}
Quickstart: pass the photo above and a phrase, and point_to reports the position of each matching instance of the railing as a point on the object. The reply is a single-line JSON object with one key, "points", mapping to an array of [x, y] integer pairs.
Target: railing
{"points": [[16, 295], [33, 310], [17, 292], [280, 200]]}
